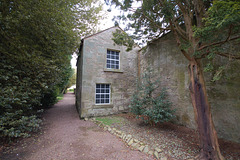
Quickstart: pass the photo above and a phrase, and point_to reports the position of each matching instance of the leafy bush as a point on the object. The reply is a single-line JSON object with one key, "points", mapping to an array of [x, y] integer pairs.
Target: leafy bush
{"points": [[36, 44], [50, 97], [71, 90], [150, 101], [15, 124]]}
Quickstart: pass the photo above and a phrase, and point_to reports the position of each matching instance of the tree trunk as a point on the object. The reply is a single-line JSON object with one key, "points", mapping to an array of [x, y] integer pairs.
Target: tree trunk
{"points": [[207, 134]]}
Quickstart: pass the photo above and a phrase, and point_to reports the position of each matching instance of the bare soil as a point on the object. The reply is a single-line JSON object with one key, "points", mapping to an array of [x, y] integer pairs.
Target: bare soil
{"points": [[65, 137], [177, 142]]}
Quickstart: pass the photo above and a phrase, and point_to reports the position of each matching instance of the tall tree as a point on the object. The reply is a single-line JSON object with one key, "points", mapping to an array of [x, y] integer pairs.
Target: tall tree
{"points": [[37, 38], [202, 28]]}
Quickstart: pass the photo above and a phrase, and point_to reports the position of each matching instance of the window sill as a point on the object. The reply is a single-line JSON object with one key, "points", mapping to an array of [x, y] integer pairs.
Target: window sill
{"points": [[101, 106], [113, 70]]}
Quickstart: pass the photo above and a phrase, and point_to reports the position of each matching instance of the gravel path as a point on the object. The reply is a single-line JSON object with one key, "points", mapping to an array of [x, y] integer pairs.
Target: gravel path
{"points": [[65, 136]]}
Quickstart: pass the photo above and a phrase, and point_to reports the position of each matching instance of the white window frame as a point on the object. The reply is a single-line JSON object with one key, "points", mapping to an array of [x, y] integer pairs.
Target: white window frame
{"points": [[112, 59], [101, 93]]}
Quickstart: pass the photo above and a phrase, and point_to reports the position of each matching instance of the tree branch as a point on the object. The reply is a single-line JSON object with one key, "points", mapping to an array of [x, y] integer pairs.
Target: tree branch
{"points": [[181, 6], [199, 11], [230, 31], [228, 55], [179, 42], [153, 22], [180, 31], [218, 43]]}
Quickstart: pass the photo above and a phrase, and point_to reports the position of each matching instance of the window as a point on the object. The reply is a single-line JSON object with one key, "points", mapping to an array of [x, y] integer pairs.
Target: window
{"points": [[112, 59], [102, 93]]}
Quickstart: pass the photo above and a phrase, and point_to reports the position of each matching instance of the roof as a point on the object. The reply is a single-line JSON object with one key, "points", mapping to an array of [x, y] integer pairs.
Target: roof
{"points": [[102, 31], [81, 44], [97, 34], [154, 40]]}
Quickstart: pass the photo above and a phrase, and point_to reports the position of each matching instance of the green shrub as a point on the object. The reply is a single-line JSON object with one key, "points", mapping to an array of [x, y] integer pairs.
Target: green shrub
{"points": [[50, 97], [71, 90], [150, 101], [15, 124], [36, 44]]}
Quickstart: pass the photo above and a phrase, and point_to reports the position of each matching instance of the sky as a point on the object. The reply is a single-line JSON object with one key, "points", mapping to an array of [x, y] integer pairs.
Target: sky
{"points": [[107, 22], [74, 60], [104, 24]]}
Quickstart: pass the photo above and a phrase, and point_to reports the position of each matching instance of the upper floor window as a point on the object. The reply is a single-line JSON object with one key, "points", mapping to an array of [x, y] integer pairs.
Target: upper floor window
{"points": [[113, 59]]}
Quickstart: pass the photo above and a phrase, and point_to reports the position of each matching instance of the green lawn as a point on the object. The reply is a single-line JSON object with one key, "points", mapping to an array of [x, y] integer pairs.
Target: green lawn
{"points": [[60, 97], [109, 120], [71, 90]]}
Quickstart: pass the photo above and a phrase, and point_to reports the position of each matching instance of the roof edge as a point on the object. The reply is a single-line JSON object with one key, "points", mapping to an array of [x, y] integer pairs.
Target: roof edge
{"points": [[102, 31]]}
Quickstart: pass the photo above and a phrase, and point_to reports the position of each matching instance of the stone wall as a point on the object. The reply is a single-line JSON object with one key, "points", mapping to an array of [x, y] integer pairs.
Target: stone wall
{"points": [[92, 70], [164, 57], [78, 92]]}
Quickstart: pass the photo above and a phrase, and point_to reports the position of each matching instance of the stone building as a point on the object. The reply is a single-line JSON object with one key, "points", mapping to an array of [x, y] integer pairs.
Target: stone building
{"points": [[166, 60], [106, 75]]}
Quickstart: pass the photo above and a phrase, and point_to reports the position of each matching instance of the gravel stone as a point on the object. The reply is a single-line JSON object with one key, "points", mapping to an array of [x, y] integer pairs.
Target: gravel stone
{"points": [[158, 149], [141, 148], [135, 145], [146, 149], [105, 129], [130, 142], [150, 152], [164, 158], [156, 155]]}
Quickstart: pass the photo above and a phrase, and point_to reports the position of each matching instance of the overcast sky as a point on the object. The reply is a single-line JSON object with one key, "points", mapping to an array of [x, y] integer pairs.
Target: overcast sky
{"points": [[104, 24]]}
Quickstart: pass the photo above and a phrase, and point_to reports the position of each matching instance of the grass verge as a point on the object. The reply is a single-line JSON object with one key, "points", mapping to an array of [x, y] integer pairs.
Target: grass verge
{"points": [[71, 90], [60, 97], [109, 120]]}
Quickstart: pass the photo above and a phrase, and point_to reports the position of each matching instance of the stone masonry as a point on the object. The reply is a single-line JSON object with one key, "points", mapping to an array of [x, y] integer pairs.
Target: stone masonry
{"points": [[92, 70], [166, 60], [164, 57]]}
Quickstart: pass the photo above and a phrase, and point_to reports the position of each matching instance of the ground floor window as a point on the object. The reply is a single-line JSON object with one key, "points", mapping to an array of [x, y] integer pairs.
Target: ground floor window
{"points": [[102, 93]]}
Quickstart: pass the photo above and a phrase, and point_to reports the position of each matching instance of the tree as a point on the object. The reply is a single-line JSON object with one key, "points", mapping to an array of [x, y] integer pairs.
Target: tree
{"points": [[202, 29], [37, 39], [151, 100], [72, 79]]}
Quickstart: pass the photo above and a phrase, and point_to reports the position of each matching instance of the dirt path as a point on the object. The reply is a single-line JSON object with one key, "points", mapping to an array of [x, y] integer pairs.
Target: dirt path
{"points": [[65, 136]]}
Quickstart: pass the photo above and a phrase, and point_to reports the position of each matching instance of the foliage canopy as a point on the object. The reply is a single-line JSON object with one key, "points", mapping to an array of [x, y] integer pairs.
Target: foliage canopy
{"points": [[37, 39], [203, 29], [196, 24]]}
